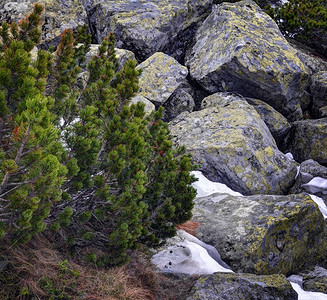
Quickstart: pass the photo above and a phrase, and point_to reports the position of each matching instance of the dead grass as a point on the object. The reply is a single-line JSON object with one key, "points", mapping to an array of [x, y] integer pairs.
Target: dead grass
{"points": [[39, 271], [189, 226]]}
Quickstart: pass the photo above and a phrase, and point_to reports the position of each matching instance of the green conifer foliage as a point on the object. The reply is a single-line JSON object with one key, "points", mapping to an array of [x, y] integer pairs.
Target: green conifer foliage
{"points": [[119, 179], [132, 185], [300, 19], [30, 170]]}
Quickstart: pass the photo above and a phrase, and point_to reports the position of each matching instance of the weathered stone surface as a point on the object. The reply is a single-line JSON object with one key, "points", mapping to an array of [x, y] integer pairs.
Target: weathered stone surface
{"points": [[58, 15], [239, 48], [276, 122], [178, 102], [309, 140], [319, 90], [161, 76], [242, 286], [263, 234], [233, 145], [148, 27], [315, 280], [308, 170], [148, 106], [308, 56], [122, 55]]}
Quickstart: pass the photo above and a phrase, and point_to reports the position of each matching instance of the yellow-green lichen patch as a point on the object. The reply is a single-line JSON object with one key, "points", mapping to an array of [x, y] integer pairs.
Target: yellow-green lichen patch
{"points": [[229, 135], [160, 77], [241, 50], [284, 243]]}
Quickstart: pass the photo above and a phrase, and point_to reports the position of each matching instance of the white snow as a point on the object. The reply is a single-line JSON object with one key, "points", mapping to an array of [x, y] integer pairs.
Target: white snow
{"points": [[191, 255], [206, 187], [304, 295], [316, 185], [321, 205], [187, 256]]}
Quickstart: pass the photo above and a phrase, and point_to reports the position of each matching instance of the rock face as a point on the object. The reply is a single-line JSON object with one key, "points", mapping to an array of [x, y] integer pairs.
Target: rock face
{"points": [[307, 171], [315, 280], [161, 76], [309, 140], [276, 122], [179, 102], [58, 15], [233, 145], [239, 48], [122, 55], [263, 234], [242, 286], [319, 90], [148, 27]]}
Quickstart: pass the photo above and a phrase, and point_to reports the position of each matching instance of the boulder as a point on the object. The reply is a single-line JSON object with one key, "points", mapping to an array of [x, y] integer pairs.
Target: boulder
{"points": [[275, 121], [318, 89], [58, 15], [308, 170], [161, 76], [263, 234], [148, 106], [242, 286], [232, 145], [315, 280], [309, 57], [239, 48], [148, 27], [178, 102], [309, 140], [122, 55]]}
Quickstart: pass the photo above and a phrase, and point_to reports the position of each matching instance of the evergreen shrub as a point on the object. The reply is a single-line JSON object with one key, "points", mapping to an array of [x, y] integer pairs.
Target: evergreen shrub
{"points": [[81, 160]]}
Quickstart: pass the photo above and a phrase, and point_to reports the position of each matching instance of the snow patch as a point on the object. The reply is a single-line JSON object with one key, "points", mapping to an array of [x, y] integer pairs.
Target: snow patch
{"points": [[304, 295], [321, 205], [316, 185], [205, 187], [187, 256]]}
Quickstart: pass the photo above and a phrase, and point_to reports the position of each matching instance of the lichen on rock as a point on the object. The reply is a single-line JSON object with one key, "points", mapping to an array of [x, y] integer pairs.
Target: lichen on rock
{"points": [[239, 48], [263, 234], [233, 145]]}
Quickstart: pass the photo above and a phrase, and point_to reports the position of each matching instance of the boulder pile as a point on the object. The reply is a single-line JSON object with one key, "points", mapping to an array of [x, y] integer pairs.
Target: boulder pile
{"points": [[249, 106]]}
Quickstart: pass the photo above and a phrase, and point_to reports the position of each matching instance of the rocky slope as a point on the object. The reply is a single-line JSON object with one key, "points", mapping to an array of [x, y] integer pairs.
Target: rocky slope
{"points": [[239, 96]]}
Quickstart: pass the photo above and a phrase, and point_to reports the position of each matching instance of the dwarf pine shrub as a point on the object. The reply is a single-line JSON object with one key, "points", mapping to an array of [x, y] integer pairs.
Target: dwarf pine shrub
{"points": [[81, 160]]}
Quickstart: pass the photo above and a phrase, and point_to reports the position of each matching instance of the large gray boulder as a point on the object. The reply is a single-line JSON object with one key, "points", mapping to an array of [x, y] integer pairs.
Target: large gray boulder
{"points": [[308, 170], [146, 27], [58, 15], [309, 140], [239, 48], [242, 286], [177, 103], [233, 145], [318, 89], [263, 234], [315, 280], [275, 121], [161, 76]]}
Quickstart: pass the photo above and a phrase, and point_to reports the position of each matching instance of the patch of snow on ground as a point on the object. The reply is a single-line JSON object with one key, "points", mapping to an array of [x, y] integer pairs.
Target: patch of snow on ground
{"points": [[316, 185], [304, 295], [206, 187], [321, 205], [187, 256]]}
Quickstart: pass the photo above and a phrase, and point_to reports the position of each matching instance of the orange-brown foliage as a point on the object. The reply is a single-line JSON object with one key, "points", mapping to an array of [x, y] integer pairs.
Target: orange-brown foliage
{"points": [[189, 226]]}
